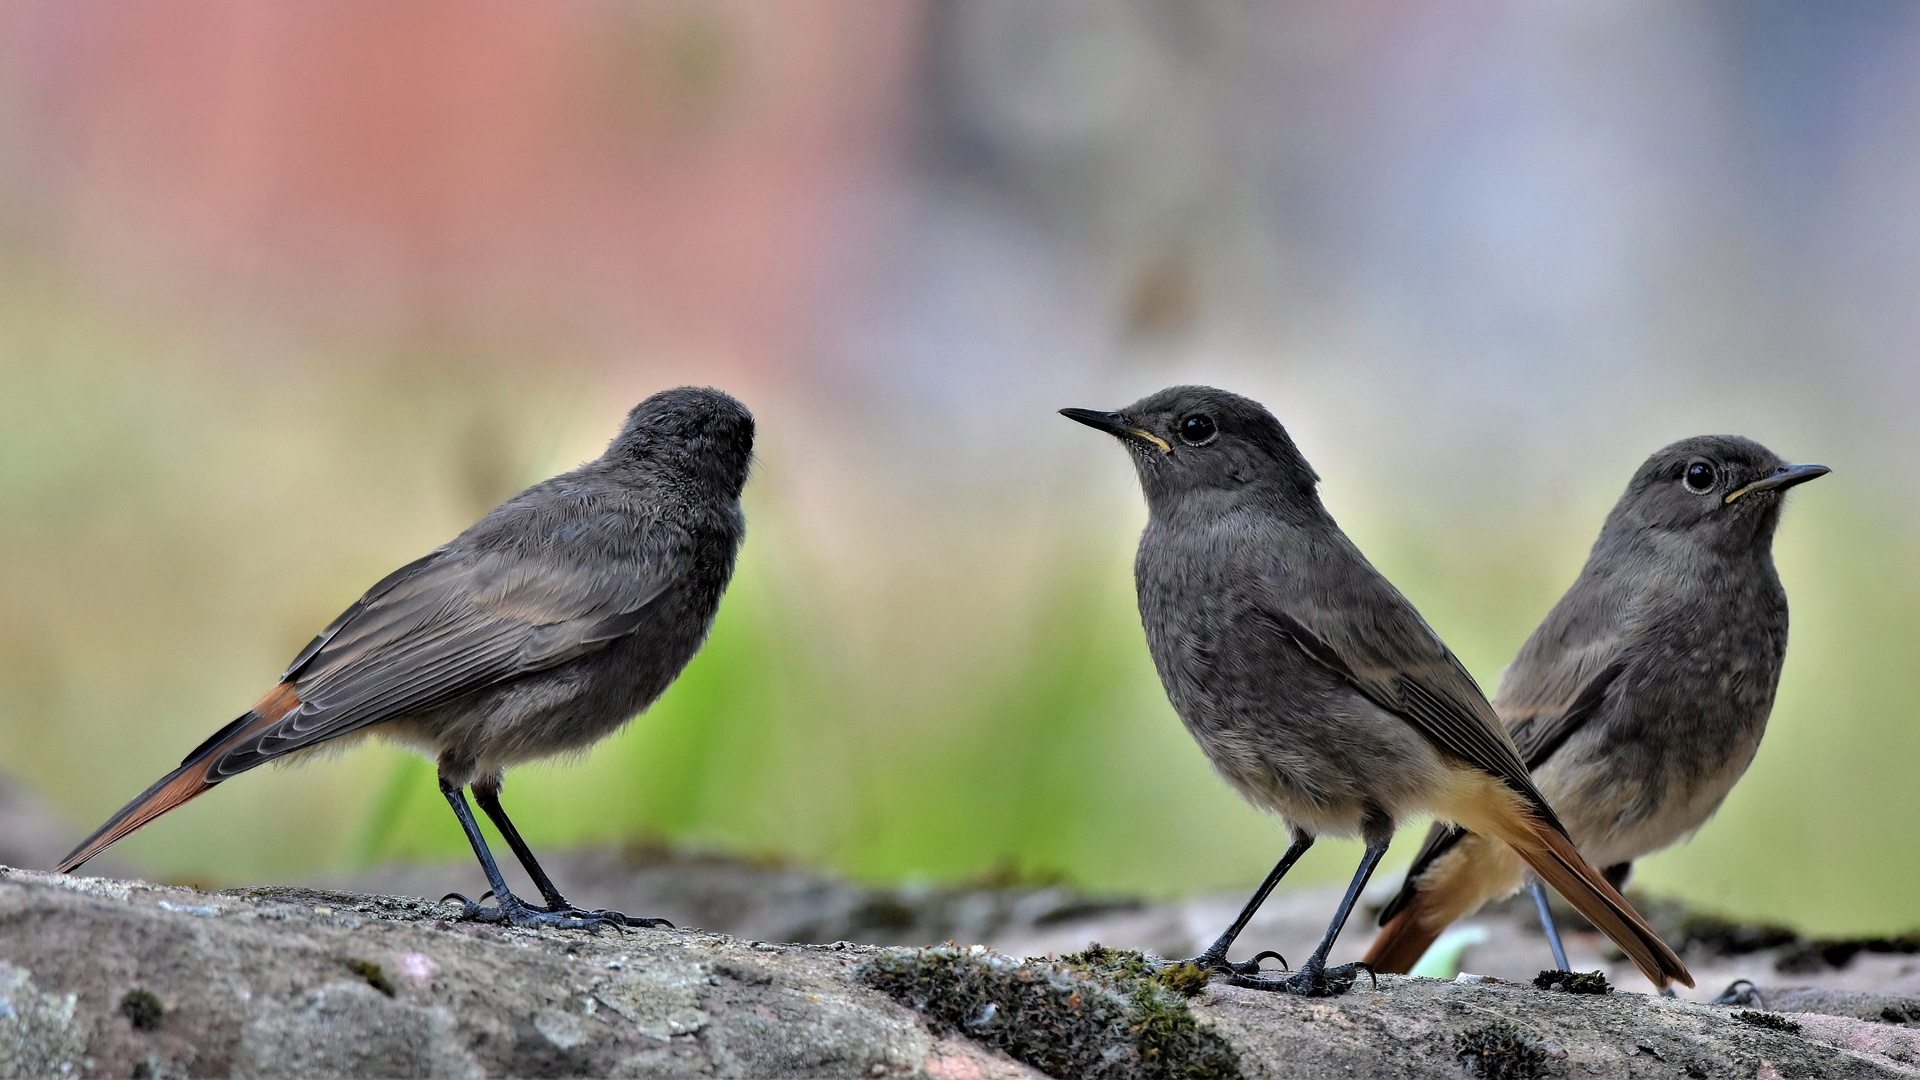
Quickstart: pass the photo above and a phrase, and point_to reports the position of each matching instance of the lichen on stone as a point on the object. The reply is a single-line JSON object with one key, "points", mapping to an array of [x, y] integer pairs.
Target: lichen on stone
{"points": [[40, 1034]]}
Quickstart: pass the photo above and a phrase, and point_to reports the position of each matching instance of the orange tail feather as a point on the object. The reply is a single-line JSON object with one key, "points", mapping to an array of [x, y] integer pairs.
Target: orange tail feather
{"points": [[185, 782], [1402, 941], [1455, 886], [1561, 866]]}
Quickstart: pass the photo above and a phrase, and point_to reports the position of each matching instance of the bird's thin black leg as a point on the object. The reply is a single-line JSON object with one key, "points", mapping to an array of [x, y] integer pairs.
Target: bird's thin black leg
{"points": [[487, 794], [510, 908], [1539, 892], [1313, 979], [1215, 958]]}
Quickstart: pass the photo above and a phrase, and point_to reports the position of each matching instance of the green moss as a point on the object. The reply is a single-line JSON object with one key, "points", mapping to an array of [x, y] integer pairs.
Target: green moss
{"points": [[1186, 979], [1500, 1051], [1097, 959], [1128, 966], [1095, 1014], [1573, 982]]}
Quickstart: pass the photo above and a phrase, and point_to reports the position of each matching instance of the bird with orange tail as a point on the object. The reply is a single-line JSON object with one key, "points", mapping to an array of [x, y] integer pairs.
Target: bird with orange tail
{"points": [[540, 630], [1641, 699]]}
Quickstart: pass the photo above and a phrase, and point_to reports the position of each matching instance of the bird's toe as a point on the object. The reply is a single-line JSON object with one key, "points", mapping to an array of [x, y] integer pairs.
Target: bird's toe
{"points": [[1307, 982], [1218, 962], [1741, 992]]}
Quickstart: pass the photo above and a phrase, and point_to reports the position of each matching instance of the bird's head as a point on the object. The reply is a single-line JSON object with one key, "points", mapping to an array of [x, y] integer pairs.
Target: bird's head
{"points": [[1197, 442], [1721, 487], [697, 429]]}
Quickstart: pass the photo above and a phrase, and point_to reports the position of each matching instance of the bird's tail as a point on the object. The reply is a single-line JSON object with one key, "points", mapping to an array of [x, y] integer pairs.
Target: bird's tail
{"points": [[195, 775], [1499, 812], [1472, 872]]}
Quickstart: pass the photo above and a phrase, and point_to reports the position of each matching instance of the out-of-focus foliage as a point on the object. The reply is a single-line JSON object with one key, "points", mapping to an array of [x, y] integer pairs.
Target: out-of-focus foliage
{"points": [[174, 533]]}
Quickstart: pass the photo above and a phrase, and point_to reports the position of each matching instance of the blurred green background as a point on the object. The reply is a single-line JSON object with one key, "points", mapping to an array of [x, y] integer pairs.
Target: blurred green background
{"points": [[289, 296]]}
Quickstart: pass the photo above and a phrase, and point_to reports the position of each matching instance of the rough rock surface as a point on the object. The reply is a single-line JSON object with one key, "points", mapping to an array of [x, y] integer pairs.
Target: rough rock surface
{"points": [[777, 902], [109, 978]]}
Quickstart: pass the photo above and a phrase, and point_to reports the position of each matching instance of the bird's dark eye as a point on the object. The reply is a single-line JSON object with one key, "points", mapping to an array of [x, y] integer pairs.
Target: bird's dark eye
{"points": [[1699, 478], [1197, 430]]}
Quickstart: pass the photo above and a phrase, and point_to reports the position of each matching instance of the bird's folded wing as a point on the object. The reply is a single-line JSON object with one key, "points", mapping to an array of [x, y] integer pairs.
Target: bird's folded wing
{"points": [[1544, 711], [448, 625], [1540, 724], [1401, 665]]}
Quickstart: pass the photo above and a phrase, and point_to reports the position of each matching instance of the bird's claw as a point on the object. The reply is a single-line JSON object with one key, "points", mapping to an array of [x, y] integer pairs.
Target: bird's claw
{"points": [[614, 917], [1741, 992], [515, 912], [1310, 981], [1254, 963], [1218, 962], [644, 922]]}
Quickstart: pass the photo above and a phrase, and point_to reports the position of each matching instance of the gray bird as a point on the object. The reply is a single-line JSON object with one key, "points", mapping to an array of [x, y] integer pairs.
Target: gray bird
{"points": [[1312, 685], [1641, 699], [540, 630]]}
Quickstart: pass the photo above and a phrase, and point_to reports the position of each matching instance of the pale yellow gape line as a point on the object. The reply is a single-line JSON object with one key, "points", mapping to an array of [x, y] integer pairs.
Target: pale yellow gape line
{"points": [[1156, 440]]}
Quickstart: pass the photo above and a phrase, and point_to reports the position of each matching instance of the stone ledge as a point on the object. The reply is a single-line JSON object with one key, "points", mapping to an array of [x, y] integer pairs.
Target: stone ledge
{"points": [[112, 978]]}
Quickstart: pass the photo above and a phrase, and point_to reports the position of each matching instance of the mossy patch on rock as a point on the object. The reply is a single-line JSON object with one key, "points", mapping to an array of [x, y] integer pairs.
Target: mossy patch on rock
{"points": [[374, 975], [1187, 979], [1500, 1051], [1095, 1014], [1573, 982], [1770, 1021], [143, 1009]]}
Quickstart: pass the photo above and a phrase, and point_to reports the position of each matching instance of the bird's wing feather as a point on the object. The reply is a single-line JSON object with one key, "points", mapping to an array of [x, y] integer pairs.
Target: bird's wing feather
{"points": [[1420, 682], [1556, 685], [1536, 736], [451, 624], [1543, 727], [1561, 676], [1373, 637]]}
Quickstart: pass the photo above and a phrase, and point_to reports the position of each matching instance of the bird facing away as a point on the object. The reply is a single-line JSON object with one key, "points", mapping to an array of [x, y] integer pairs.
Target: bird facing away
{"points": [[1641, 699], [540, 630], [1314, 688]]}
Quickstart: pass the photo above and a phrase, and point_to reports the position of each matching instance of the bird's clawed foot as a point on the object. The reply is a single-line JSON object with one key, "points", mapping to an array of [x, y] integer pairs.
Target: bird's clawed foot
{"points": [[1741, 992], [513, 911], [1314, 980], [1211, 961]]}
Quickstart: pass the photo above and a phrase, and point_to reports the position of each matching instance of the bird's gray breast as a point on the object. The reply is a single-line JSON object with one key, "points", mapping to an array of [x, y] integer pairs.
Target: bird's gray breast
{"points": [[1287, 732], [1684, 719], [1223, 666]]}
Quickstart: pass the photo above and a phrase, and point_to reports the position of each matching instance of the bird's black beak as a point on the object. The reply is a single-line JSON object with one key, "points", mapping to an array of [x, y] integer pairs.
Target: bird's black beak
{"points": [[1116, 425], [1784, 477]]}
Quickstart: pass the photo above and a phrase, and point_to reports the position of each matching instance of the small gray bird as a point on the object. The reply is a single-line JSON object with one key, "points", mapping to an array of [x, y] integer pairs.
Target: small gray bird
{"points": [[1641, 699], [1313, 686], [542, 629]]}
